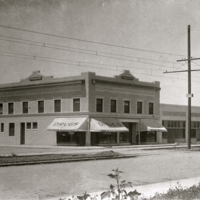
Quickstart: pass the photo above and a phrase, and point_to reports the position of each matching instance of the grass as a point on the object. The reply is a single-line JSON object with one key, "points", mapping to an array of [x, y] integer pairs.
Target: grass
{"points": [[178, 192]]}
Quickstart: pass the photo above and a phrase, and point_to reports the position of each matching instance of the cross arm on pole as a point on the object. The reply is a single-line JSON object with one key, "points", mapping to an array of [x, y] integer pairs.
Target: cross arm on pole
{"points": [[188, 59], [180, 71]]}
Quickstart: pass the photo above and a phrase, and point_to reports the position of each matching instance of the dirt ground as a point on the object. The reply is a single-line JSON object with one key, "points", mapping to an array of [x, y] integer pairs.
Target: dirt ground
{"points": [[56, 180]]}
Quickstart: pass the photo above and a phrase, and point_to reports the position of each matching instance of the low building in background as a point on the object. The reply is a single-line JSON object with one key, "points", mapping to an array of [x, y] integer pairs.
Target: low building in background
{"points": [[82, 110], [175, 119]]}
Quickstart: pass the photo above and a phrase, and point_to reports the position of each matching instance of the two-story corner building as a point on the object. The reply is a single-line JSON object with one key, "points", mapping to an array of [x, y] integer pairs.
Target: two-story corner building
{"points": [[80, 110]]}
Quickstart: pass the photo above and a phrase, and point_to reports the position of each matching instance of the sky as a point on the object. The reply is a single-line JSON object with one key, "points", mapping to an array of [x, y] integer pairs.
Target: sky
{"points": [[67, 37]]}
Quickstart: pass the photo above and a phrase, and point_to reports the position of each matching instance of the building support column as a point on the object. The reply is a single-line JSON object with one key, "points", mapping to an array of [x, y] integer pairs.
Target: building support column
{"points": [[88, 134], [159, 137], [118, 138]]}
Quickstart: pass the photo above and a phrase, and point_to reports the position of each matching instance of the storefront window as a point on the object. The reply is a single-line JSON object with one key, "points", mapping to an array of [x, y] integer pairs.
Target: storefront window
{"points": [[67, 138], [146, 136], [164, 135], [108, 138], [124, 137]]}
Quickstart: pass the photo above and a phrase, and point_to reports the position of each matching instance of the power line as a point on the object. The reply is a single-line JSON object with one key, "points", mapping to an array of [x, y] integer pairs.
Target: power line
{"points": [[79, 65], [95, 53], [88, 41], [65, 60]]}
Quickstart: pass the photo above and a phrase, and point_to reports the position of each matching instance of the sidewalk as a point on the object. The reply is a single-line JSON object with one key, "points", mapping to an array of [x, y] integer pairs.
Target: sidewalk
{"points": [[22, 150], [148, 190]]}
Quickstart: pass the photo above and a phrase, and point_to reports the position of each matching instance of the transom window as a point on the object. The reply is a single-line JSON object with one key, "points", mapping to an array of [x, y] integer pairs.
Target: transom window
{"points": [[173, 124]]}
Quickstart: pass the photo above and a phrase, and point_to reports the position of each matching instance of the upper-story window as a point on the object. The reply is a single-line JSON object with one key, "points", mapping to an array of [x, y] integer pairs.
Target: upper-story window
{"points": [[40, 106], [25, 107], [139, 107], [99, 105], [10, 108], [76, 105], [1, 108], [151, 108], [2, 127], [126, 106], [57, 105], [113, 105]]}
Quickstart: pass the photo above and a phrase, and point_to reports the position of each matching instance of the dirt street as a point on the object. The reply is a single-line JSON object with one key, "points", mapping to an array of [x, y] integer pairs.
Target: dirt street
{"points": [[56, 180]]}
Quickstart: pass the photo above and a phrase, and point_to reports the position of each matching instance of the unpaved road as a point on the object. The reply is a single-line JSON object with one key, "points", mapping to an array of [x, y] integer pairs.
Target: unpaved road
{"points": [[56, 180]]}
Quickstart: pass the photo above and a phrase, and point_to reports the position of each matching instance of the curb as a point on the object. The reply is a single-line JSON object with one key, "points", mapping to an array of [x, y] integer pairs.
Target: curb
{"points": [[66, 160]]}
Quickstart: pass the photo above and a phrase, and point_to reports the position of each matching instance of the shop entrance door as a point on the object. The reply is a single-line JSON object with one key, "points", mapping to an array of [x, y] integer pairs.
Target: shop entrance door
{"points": [[22, 133], [171, 136]]}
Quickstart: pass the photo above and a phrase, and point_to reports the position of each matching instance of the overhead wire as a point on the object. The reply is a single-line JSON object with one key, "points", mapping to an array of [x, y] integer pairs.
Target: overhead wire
{"points": [[88, 41], [67, 61], [43, 59], [93, 52]]}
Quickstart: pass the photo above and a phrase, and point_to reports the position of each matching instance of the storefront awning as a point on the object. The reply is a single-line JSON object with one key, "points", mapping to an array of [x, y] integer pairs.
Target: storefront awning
{"points": [[107, 125], [151, 125], [68, 124]]}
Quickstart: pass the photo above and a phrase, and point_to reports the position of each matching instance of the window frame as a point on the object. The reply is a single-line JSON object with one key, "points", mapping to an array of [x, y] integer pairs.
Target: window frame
{"points": [[1, 108], [24, 111], [10, 108], [55, 107], [152, 108], [33, 125], [11, 131], [115, 110], [139, 101], [102, 105], [2, 128], [129, 106], [28, 126], [40, 111], [76, 106]]}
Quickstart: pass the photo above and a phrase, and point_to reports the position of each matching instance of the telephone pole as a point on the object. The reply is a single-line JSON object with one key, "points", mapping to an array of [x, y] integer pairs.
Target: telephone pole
{"points": [[189, 95]]}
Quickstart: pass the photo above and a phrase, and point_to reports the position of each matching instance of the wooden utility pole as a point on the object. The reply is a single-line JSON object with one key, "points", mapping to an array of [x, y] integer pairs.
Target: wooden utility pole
{"points": [[189, 95], [189, 90]]}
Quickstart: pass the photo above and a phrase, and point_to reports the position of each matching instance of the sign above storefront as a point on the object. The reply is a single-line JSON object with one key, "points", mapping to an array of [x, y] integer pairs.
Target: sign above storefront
{"points": [[68, 124], [36, 78], [107, 125]]}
